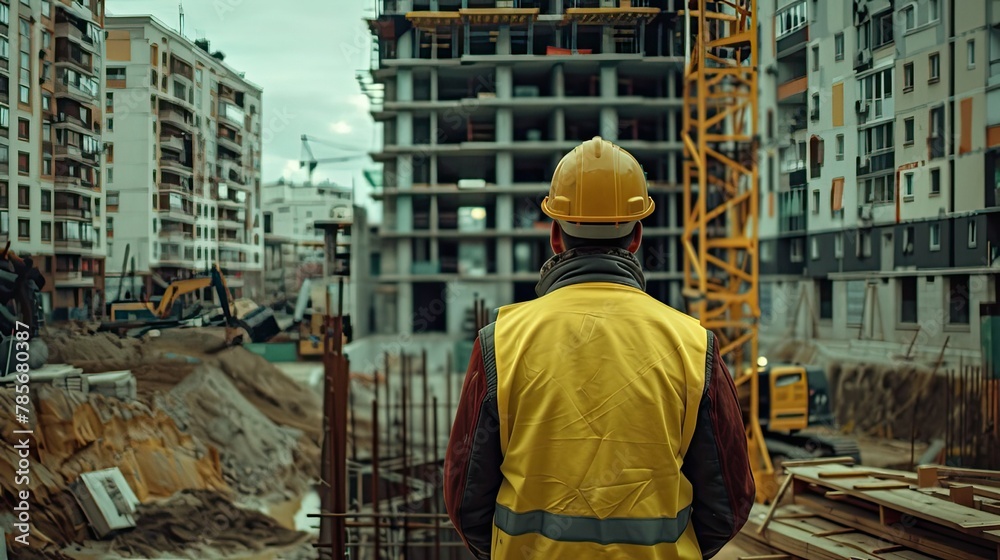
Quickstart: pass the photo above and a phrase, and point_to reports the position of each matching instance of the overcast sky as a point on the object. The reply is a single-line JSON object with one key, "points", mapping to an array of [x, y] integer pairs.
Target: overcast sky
{"points": [[305, 59]]}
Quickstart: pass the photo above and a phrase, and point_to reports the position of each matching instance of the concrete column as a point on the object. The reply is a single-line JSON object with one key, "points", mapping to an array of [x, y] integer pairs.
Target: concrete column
{"points": [[434, 84], [608, 39], [671, 134], [504, 127], [671, 210], [505, 81], [503, 39], [404, 46], [609, 91], [404, 85], [558, 81], [505, 171], [558, 123]]}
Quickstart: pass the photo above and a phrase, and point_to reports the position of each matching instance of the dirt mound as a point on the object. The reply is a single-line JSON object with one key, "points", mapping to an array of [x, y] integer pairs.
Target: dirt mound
{"points": [[882, 400], [198, 524], [258, 456], [77, 433]]}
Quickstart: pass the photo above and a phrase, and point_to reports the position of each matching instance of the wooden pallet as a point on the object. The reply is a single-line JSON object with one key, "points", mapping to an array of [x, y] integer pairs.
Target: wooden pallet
{"points": [[839, 511]]}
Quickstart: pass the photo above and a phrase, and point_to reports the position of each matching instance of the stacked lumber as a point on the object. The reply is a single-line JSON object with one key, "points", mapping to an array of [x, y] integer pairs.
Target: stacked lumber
{"points": [[830, 509]]}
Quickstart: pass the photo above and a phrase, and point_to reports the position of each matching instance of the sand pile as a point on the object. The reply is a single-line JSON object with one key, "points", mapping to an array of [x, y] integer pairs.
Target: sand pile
{"points": [[201, 524], [76, 433], [258, 456]]}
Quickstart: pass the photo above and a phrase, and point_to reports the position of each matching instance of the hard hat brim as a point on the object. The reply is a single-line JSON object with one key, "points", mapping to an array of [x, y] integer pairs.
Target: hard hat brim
{"points": [[598, 231]]}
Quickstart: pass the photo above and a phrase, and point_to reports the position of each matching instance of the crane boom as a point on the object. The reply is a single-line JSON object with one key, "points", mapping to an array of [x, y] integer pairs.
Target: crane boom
{"points": [[721, 196]]}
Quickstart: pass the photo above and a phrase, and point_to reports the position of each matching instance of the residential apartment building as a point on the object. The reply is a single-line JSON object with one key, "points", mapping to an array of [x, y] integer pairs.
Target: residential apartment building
{"points": [[51, 202], [880, 218], [184, 151], [293, 243], [482, 99]]}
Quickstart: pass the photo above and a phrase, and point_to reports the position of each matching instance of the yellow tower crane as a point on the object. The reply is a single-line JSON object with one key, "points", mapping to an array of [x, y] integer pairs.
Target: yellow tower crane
{"points": [[721, 196]]}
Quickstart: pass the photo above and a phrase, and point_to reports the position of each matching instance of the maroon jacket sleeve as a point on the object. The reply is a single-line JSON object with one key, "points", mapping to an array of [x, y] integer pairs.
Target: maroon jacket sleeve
{"points": [[472, 463], [717, 462]]}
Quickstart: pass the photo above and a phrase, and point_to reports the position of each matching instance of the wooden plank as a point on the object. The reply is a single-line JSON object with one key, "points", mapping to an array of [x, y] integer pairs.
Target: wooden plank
{"points": [[846, 474], [883, 485], [948, 544], [963, 495], [774, 504], [971, 473], [911, 502], [832, 532], [927, 477], [819, 462], [837, 495]]}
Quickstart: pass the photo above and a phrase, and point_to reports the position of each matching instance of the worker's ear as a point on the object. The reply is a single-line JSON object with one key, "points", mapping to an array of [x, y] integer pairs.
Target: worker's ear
{"points": [[556, 240], [636, 238]]}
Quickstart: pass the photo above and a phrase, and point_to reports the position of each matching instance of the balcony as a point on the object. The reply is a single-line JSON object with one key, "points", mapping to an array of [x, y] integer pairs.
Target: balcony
{"points": [[174, 165], [74, 244], [68, 183], [81, 61], [794, 90], [75, 152], [73, 275], [178, 188], [876, 162], [180, 260], [176, 118], [62, 211], [793, 41], [176, 214], [74, 122], [175, 236], [68, 30], [179, 67], [173, 143], [84, 91]]}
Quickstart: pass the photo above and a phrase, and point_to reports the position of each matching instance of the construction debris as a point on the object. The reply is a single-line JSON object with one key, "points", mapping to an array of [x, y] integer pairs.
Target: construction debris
{"points": [[838, 511], [107, 501]]}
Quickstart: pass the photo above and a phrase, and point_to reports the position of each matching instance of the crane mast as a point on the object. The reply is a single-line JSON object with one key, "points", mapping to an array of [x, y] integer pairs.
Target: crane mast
{"points": [[721, 197]]}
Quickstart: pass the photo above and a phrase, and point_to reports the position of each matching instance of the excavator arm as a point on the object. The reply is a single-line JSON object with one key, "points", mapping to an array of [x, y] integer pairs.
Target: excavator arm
{"points": [[178, 289]]}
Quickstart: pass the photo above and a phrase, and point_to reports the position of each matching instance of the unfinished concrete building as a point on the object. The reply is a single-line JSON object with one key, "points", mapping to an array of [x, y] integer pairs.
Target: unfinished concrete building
{"points": [[482, 99]]}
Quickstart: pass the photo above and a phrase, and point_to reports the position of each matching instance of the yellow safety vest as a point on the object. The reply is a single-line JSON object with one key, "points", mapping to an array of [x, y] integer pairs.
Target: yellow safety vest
{"points": [[594, 426]]}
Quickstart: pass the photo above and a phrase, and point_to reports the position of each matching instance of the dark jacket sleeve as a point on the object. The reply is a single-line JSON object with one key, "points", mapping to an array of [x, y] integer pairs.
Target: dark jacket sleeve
{"points": [[472, 463], [717, 462]]}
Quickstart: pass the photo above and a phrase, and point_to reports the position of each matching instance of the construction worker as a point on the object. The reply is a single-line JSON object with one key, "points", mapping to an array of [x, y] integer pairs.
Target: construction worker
{"points": [[595, 421]]}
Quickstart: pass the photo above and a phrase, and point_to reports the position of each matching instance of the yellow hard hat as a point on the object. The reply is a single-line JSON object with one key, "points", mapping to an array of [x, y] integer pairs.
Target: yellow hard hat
{"points": [[598, 191]]}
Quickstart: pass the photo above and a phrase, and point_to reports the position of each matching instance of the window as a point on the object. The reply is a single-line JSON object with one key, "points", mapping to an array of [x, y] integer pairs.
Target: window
{"points": [[838, 45], [116, 73], [23, 197], [958, 299], [909, 18], [907, 241], [935, 181], [815, 54], [4, 116], [815, 201], [825, 299], [796, 250], [46, 231], [24, 94], [814, 248], [908, 299], [935, 244], [4, 47], [862, 243], [908, 77], [23, 128], [908, 185], [197, 75], [46, 201], [46, 102], [934, 11], [840, 146], [111, 175], [24, 229], [973, 234], [882, 30], [25, 27], [934, 62], [111, 124], [46, 8], [111, 225], [815, 104], [875, 89], [970, 49], [908, 131], [23, 166], [838, 245], [46, 39], [4, 14], [791, 19], [109, 101]]}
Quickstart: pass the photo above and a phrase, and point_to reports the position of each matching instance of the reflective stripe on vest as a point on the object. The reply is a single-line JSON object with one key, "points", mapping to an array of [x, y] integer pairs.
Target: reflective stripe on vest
{"points": [[573, 528]]}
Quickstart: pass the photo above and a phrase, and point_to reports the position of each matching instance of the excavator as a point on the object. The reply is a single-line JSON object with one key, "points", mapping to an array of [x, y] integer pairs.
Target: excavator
{"points": [[260, 324]]}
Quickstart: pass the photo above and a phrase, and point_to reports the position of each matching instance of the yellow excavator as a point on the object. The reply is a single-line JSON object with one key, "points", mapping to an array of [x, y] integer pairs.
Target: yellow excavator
{"points": [[260, 324]]}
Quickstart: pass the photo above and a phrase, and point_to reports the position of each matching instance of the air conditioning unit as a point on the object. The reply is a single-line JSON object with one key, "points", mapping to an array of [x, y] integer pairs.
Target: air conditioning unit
{"points": [[865, 213], [862, 107]]}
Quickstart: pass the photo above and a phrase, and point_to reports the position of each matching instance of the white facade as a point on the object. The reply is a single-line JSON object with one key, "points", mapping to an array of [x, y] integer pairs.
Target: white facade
{"points": [[186, 134]]}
